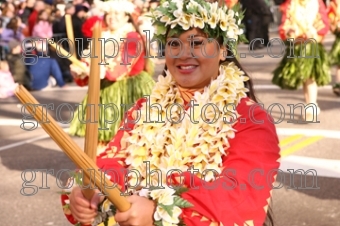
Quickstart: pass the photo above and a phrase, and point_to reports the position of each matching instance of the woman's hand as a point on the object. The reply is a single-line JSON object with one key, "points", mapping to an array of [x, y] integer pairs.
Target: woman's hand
{"points": [[82, 209], [140, 214], [77, 72]]}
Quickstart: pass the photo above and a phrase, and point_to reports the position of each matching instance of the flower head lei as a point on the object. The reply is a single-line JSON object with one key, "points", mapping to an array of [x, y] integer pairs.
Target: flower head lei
{"points": [[216, 21]]}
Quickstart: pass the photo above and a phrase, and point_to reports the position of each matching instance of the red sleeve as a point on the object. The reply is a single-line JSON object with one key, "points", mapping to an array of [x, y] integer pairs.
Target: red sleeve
{"points": [[31, 21], [324, 17], [254, 150], [284, 10], [131, 60], [88, 26]]}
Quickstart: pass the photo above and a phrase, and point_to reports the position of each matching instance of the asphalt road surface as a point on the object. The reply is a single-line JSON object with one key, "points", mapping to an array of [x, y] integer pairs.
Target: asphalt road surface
{"points": [[312, 146]]}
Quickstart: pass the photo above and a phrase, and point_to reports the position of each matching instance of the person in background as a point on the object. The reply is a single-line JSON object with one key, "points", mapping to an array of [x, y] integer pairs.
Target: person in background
{"points": [[60, 26], [13, 30], [334, 17], [123, 79], [257, 19], [42, 30], [46, 73], [21, 8], [29, 8], [20, 73], [33, 18], [7, 84], [304, 20], [78, 19], [7, 13]]}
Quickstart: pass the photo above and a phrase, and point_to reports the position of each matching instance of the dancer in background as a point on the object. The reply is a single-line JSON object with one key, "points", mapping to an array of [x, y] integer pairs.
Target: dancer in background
{"points": [[304, 19], [120, 84], [334, 18]]}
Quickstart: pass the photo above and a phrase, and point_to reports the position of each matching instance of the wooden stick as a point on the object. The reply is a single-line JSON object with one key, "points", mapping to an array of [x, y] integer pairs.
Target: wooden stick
{"points": [[69, 31], [65, 53], [91, 134], [71, 149]]}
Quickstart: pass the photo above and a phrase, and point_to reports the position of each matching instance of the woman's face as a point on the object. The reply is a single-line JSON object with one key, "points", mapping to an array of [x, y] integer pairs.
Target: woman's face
{"points": [[193, 66], [116, 19], [44, 15]]}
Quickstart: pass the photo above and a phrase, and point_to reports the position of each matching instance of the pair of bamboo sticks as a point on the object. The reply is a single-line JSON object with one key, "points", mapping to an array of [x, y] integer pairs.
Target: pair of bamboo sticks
{"points": [[83, 160]]}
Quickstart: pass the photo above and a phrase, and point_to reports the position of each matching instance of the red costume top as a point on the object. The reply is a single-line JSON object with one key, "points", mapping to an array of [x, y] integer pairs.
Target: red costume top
{"points": [[130, 55], [308, 21], [244, 189]]}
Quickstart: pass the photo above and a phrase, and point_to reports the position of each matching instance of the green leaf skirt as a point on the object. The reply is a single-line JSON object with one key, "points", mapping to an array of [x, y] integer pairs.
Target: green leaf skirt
{"points": [[112, 96], [334, 54], [293, 72]]}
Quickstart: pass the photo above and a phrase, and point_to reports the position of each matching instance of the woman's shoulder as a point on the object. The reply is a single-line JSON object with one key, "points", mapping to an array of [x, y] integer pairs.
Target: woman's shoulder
{"points": [[253, 114], [133, 35]]}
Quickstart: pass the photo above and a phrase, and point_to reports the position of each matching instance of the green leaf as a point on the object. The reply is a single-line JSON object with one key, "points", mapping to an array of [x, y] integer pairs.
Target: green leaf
{"points": [[158, 223], [180, 190], [167, 208], [182, 203]]}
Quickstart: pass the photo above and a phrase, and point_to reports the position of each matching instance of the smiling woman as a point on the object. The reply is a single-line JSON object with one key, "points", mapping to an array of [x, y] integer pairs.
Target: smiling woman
{"points": [[237, 148]]}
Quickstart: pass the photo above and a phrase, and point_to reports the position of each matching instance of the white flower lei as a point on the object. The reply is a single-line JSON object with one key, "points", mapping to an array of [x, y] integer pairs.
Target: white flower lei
{"points": [[179, 146], [182, 145]]}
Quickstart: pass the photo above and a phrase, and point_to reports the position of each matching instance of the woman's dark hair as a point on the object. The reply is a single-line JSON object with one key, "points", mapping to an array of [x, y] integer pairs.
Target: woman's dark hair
{"points": [[13, 25]]}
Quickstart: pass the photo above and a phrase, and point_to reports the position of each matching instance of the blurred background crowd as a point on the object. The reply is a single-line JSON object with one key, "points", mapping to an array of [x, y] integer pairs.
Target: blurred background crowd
{"points": [[27, 19], [22, 19]]}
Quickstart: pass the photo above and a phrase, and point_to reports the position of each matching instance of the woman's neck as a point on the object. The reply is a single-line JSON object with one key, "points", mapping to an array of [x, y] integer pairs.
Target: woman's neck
{"points": [[188, 93]]}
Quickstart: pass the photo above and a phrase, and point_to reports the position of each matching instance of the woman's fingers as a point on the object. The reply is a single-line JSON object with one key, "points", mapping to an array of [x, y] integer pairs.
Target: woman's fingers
{"points": [[81, 207]]}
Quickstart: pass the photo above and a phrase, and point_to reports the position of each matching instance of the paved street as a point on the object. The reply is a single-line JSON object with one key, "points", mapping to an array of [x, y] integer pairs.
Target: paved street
{"points": [[313, 146]]}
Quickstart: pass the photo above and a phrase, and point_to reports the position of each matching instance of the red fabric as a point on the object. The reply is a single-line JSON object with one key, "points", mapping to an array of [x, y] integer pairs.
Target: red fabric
{"points": [[81, 82], [255, 147], [325, 19], [89, 24], [129, 49], [32, 19]]}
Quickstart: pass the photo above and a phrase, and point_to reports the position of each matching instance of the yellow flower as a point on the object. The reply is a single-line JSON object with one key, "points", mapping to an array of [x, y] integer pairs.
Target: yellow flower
{"points": [[223, 22], [167, 220], [213, 21], [164, 196], [165, 19], [106, 206]]}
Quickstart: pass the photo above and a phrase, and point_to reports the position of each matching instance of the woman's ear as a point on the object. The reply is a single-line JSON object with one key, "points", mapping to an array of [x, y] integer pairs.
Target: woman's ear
{"points": [[223, 53]]}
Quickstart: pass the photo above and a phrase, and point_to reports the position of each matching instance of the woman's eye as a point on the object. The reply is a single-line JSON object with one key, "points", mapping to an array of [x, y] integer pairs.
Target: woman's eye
{"points": [[173, 43], [198, 43]]}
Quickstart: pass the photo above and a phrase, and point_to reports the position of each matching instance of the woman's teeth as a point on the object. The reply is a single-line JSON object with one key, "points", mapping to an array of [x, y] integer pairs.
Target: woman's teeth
{"points": [[187, 67]]}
